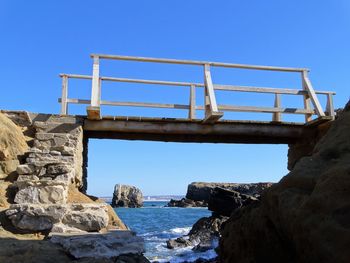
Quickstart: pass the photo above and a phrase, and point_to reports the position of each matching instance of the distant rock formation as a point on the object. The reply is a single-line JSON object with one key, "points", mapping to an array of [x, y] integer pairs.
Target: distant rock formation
{"points": [[303, 218], [127, 196], [199, 193]]}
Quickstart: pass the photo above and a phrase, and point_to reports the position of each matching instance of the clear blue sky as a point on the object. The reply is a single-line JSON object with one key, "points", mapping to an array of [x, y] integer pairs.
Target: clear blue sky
{"points": [[40, 39]]}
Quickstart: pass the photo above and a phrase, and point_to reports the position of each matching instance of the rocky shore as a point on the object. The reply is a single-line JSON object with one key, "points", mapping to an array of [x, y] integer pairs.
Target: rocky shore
{"points": [[205, 233]]}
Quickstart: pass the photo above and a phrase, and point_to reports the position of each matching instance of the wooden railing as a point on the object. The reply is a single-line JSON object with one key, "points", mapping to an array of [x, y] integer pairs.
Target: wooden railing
{"points": [[213, 111]]}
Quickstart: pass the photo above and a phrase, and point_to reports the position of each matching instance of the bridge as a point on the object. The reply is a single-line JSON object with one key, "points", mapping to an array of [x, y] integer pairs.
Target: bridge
{"points": [[212, 127]]}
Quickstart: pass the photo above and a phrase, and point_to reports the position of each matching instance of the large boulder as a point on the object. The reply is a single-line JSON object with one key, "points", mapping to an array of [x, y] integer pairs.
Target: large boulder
{"points": [[127, 196], [58, 218], [303, 218]]}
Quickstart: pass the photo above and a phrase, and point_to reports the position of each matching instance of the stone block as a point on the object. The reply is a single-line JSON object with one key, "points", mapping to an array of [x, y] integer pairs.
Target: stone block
{"points": [[58, 217], [35, 217], [87, 217], [25, 169], [59, 169], [41, 192], [8, 167]]}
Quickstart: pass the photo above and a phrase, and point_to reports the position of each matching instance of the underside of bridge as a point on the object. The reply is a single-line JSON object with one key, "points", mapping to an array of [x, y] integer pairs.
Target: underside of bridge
{"points": [[183, 130]]}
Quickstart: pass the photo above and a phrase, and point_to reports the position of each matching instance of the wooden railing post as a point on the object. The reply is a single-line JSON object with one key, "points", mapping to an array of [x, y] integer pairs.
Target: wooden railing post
{"points": [[192, 109], [94, 111], [277, 115], [310, 96], [64, 104], [212, 113], [330, 106]]}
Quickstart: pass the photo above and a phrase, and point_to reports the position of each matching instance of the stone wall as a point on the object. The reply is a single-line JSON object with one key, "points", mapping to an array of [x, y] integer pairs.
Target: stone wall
{"points": [[52, 166]]}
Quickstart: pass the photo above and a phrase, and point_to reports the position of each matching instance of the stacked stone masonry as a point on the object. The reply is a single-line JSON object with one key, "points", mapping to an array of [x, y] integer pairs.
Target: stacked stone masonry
{"points": [[52, 165]]}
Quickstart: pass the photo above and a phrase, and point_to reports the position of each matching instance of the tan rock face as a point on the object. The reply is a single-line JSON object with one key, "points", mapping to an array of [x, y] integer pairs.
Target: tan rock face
{"points": [[12, 145], [303, 218]]}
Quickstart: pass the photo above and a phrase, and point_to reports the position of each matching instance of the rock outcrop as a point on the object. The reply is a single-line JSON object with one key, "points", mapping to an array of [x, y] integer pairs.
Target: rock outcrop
{"points": [[127, 196], [199, 191], [303, 218]]}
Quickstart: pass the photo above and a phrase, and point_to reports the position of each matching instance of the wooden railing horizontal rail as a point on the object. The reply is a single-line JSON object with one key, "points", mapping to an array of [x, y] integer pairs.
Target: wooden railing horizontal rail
{"points": [[198, 63], [186, 107], [213, 110], [201, 85]]}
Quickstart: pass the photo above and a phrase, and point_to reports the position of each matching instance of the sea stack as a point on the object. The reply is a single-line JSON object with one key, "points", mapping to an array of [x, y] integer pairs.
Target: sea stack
{"points": [[127, 196]]}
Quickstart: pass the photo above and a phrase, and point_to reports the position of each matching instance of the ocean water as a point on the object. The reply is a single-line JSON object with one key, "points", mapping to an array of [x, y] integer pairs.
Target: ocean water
{"points": [[156, 224]]}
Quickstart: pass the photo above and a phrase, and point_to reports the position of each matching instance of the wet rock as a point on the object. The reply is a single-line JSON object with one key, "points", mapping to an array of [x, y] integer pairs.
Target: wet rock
{"points": [[127, 196], [178, 243]]}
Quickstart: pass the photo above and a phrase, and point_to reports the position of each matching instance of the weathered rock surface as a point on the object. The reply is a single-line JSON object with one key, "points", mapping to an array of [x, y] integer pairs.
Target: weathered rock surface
{"points": [[41, 192], [303, 218], [40, 217], [12, 146], [109, 245], [127, 196]]}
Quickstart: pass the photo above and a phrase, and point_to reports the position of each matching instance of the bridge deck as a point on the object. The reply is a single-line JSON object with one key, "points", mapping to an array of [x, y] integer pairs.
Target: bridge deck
{"points": [[185, 130]]}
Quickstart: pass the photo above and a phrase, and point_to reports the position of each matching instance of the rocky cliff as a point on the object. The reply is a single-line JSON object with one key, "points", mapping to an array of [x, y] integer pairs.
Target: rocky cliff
{"points": [[127, 196], [303, 218]]}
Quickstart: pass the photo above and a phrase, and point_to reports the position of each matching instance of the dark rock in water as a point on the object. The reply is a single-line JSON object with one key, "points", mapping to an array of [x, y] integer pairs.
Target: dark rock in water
{"points": [[178, 243], [127, 196], [303, 218], [224, 202], [184, 202], [204, 233], [202, 260]]}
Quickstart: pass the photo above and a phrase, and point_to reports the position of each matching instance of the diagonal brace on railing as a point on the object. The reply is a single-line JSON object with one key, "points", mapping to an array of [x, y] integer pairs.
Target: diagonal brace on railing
{"points": [[212, 113], [311, 94]]}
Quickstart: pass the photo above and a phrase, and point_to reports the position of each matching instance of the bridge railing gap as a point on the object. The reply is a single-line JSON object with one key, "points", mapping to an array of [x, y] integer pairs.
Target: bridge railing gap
{"points": [[212, 110]]}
